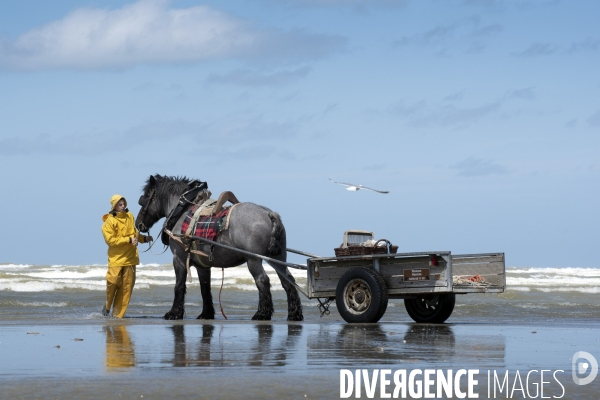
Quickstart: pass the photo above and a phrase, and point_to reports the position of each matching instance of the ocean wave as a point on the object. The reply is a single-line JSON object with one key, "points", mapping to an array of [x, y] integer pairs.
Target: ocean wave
{"points": [[552, 281], [31, 286], [568, 271], [62, 274], [36, 278], [78, 266], [518, 289], [157, 274], [44, 286], [151, 271], [35, 304], [593, 290], [10, 267]]}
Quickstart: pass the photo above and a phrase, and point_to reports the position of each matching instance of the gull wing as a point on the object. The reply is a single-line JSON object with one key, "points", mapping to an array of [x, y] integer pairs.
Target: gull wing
{"points": [[375, 190], [358, 186], [342, 183]]}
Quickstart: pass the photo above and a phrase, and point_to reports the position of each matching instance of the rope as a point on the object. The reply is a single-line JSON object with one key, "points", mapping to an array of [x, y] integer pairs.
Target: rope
{"points": [[187, 267], [222, 281], [152, 244], [475, 280]]}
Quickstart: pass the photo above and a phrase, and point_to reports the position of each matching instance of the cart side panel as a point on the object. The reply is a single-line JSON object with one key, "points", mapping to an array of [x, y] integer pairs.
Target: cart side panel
{"points": [[490, 266], [440, 275], [323, 276]]}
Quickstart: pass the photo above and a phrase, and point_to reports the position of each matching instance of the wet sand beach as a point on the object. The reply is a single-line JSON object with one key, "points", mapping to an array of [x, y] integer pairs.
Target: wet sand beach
{"points": [[137, 358]]}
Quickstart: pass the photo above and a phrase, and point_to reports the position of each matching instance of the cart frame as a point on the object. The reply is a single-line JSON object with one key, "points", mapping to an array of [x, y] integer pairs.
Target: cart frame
{"points": [[362, 284]]}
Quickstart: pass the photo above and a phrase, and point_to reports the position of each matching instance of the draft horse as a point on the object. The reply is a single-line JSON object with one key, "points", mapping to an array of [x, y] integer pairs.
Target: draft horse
{"points": [[252, 227]]}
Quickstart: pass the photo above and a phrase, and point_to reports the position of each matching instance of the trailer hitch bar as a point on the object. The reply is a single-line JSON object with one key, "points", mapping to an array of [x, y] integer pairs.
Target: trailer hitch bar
{"points": [[270, 260]]}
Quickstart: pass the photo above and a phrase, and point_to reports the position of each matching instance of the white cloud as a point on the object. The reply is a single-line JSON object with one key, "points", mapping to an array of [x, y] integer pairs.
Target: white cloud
{"points": [[422, 114], [525, 93], [454, 96], [466, 29], [498, 5], [360, 4], [594, 120], [587, 44], [538, 49], [254, 78], [149, 32], [545, 49], [94, 144], [479, 167], [256, 130], [446, 113]]}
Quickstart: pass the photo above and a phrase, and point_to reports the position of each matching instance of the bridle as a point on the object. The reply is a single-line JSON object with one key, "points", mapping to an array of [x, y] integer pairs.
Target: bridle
{"points": [[193, 188], [142, 214], [143, 228]]}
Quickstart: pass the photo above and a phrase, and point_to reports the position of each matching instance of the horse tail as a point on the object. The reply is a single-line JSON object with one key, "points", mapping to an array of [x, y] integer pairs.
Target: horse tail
{"points": [[277, 234]]}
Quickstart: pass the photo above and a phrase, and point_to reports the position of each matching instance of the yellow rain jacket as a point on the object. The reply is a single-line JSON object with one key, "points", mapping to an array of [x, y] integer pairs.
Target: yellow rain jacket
{"points": [[118, 230]]}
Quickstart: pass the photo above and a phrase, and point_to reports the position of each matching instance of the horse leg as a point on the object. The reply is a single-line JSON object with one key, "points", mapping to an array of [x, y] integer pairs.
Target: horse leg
{"points": [[178, 308], [265, 302], [294, 303], [208, 310]]}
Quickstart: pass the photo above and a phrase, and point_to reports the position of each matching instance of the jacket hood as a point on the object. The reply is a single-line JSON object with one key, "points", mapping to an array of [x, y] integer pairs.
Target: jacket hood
{"points": [[115, 199]]}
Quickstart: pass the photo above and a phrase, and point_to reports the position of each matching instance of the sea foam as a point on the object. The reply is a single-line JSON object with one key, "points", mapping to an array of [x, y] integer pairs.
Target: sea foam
{"points": [[48, 278]]}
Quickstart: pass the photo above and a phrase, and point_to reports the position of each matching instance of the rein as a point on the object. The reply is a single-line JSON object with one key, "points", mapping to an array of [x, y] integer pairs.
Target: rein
{"points": [[141, 216], [142, 213], [152, 244], [222, 281], [185, 199]]}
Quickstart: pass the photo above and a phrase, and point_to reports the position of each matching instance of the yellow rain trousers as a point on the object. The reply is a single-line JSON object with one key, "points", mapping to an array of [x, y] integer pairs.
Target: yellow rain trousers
{"points": [[118, 230], [119, 285], [119, 348]]}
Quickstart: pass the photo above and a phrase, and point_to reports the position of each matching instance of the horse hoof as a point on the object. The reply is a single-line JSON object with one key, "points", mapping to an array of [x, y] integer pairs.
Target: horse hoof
{"points": [[295, 317], [206, 316], [171, 316], [259, 317]]}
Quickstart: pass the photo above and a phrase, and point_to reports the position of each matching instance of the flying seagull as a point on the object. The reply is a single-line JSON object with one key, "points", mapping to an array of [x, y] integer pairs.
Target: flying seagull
{"points": [[354, 188]]}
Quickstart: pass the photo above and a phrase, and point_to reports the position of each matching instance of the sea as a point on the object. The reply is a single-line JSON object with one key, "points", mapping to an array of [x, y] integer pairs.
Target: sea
{"points": [[55, 343], [63, 293]]}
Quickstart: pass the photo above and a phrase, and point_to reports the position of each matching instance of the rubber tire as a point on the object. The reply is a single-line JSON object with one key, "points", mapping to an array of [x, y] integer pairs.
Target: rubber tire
{"points": [[438, 315], [374, 283]]}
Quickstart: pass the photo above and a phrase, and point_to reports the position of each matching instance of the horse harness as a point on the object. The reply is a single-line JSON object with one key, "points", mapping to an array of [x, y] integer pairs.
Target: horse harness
{"points": [[142, 213], [205, 206], [197, 191]]}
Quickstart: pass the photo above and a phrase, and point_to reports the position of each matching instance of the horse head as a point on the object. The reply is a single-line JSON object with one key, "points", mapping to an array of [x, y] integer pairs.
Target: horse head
{"points": [[151, 210]]}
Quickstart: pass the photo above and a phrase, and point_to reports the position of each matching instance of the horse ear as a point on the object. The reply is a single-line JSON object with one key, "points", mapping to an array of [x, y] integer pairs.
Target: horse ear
{"points": [[152, 181]]}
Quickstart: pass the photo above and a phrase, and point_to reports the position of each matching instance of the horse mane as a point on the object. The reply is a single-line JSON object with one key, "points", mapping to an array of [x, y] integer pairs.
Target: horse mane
{"points": [[168, 184]]}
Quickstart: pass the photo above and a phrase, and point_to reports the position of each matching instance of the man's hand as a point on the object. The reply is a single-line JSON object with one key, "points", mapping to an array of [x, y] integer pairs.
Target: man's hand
{"points": [[149, 239]]}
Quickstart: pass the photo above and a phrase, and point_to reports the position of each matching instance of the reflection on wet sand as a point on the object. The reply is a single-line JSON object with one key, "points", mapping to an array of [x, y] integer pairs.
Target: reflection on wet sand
{"points": [[119, 347], [265, 345], [215, 347], [430, 342], [182, 356], [355, 345]]}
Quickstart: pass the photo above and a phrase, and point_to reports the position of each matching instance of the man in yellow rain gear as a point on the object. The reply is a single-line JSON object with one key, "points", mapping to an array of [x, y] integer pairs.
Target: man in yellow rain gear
{"points": [[122, 239]]}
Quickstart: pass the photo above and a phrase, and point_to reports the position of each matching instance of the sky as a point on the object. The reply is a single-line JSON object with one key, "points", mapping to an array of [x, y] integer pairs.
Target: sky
{"points": [[480, 117]]}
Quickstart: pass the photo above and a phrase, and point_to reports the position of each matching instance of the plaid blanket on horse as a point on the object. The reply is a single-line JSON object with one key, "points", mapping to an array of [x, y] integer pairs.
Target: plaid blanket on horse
{"points": [[208, 226]]}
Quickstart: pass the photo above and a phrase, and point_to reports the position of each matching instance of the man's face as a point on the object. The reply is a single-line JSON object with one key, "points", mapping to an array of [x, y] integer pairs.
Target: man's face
{"points": [[120, 207]]}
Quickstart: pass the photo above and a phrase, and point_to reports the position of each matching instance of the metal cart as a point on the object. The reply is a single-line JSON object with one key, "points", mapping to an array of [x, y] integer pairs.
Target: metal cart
{"points": [[362, 284]]}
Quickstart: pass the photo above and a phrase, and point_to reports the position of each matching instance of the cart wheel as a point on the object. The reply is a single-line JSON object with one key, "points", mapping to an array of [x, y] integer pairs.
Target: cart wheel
{"points": [[433, 309], [361, 295]]}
